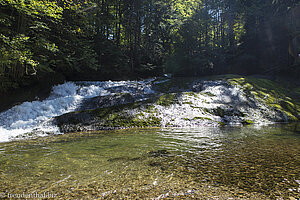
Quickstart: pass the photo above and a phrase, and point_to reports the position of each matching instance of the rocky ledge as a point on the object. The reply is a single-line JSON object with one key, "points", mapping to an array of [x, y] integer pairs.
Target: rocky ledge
{"points": [[189, 102]]}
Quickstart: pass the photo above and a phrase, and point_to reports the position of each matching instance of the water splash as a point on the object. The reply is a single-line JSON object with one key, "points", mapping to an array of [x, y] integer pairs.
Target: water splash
{"points": [[36, 116]]}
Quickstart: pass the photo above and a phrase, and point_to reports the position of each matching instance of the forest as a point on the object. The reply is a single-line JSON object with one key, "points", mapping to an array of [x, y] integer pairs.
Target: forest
{"points": [[133, 39]]}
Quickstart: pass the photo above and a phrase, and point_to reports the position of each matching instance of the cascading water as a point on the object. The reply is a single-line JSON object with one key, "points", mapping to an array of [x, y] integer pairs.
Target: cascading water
{"points": [[36, 116], [201, 103]]}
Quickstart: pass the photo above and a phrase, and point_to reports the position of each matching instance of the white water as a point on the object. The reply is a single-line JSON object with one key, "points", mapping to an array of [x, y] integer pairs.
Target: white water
{"points": [[190, 110], [36, 116]]}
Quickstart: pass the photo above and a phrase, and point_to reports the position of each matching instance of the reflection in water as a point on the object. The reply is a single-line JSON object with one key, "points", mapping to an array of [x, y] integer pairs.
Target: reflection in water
{"points": [[231, 162]]}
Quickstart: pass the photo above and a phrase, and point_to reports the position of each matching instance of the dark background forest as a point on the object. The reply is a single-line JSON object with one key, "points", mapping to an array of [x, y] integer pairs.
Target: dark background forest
{"points": [[132, 39]]}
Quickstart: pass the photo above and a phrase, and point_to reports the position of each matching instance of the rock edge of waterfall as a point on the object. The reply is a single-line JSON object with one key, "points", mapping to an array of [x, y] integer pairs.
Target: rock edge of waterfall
{"points": [[189, 102]]}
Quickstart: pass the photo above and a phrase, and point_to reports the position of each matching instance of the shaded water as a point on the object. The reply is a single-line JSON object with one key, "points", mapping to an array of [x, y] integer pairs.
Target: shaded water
{"points": [[207, 162]]}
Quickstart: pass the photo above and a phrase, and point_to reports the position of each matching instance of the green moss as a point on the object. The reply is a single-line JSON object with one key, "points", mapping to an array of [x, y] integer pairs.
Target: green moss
{"points": [[219, 111], [221, 77], [187, 102], [150, 108], [168, 124], [221, 123], [125, 121], [208, 94], [202, 118], [141, 114], [206, 110], [192, 94], [198, 118], [105, 112], [289, 106], [167, 99], [116, 116], [196, 107], [151, 121], [247, 122], [273, 94]]}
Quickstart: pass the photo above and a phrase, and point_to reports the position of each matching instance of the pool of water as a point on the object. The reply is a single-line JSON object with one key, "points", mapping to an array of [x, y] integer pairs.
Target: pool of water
{"points": [[205, 163]]}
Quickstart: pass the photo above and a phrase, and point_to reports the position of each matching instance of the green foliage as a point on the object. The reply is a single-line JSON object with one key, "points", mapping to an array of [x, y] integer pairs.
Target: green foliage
{"points": [[38, 37], [145, 38], [14, 52]]}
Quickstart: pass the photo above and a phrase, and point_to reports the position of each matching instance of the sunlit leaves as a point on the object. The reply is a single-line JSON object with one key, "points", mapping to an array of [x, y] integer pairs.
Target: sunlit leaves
{"points": [[38, 26], [36, 8], [14, 51]]}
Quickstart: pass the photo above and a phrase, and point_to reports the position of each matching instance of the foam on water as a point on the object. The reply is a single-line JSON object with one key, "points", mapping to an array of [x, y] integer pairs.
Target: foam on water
{"points": [[199, 109], [36, 116]]}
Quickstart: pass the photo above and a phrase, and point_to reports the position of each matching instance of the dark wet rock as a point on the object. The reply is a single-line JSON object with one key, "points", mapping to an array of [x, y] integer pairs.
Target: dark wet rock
{"points": [[197, 87], [76, 122], [123, 159], [155, 164], [107, 118], [158, 153], [110, 100]]}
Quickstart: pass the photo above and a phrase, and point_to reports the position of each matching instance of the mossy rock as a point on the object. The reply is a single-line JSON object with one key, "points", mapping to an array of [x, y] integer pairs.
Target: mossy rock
{"points": [[158, 153], [290, 107], [202, 118], [167, 99], [107, 118], [126, 121], [117, 117], [187, 102], [247, 122], [192, 94], [208, 94], [219, 111], [221, 124], [274, 95]]}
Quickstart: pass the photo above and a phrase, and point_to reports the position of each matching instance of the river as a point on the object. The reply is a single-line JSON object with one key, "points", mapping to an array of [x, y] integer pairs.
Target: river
{"points": [[194, 153], [207, 163]]}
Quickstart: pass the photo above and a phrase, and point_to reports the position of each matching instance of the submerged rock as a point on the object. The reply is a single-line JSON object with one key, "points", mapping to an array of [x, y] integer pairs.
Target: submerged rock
{"points": [[188, 102], [158, 153]]}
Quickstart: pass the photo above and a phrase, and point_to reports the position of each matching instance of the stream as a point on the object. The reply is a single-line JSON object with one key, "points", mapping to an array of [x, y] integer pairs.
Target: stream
{"points": [[192, 154], [207, 163]]}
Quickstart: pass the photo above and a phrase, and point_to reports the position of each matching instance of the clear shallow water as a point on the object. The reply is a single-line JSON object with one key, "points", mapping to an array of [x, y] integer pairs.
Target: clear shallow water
{"points": [[207, 162]]}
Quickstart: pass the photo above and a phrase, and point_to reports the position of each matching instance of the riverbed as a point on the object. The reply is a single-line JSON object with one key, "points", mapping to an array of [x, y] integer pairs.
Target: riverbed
{"points": [[206, 162]]}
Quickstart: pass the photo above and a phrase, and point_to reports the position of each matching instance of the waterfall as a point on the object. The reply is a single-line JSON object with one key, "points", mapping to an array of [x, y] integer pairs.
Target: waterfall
{"points": [[35, 117]]}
